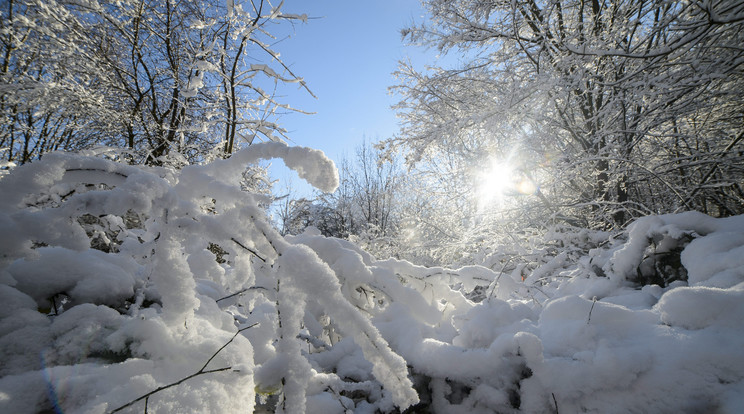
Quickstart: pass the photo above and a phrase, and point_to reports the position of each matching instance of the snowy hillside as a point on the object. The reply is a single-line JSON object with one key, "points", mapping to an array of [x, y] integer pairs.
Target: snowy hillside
{"points": [[126, 289]]}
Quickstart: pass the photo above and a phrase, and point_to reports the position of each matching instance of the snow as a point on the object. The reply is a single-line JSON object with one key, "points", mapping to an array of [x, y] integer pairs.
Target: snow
{"points": [[717, 260], [694, 308], [85, 277], [116, 281]]}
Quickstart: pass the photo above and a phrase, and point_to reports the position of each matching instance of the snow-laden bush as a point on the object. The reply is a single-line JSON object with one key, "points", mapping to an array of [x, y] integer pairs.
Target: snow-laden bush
{"points": [[126, 289], [121, 282], [573, 330]]}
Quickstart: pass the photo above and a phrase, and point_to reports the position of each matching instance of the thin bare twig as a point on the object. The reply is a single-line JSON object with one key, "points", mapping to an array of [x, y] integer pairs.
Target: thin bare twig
{"points": [[555, 402], [201, 371], [594, 301], [248, 249], [240, 292]]}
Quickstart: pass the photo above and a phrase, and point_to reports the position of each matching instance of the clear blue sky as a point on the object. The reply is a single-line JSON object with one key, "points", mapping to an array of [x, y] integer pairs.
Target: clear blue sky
{"points": [[346, 53]]}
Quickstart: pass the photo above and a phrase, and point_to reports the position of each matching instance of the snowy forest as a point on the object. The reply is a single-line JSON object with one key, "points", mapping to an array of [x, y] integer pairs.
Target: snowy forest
{"points": [[557, 226]]}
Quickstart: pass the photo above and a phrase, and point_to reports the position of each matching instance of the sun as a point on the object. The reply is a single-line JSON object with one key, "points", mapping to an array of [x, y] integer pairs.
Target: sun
{"points": [[502, 178], [493, 183]]}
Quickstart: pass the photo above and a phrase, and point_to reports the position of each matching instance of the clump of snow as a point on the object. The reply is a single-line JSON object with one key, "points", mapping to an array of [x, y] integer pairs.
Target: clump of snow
{"points": [[84, 277], [695, 308], [310, 164], [716, 260]]}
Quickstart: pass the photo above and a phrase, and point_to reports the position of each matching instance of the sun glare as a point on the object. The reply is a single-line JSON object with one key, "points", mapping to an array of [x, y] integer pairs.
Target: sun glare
{"points": [[501, 179], [495, 182]]}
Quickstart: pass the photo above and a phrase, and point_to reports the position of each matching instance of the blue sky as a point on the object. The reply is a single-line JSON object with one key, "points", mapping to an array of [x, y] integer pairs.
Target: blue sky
{"points": [[346, 53]]}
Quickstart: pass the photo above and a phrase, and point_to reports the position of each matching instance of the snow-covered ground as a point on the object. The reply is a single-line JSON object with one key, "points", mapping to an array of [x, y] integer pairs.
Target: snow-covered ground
{"points": [[127, 287]]}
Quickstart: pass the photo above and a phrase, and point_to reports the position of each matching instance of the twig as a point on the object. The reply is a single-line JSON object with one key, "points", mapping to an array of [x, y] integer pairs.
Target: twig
{"points": [[495, 282], [248, 249], [202, 371], [164, 387], [226, 344], [283, 394], [54, 303], [338, 398], [241, 291], [555, 402], [311, 340], [594, 301], [101, 170]]}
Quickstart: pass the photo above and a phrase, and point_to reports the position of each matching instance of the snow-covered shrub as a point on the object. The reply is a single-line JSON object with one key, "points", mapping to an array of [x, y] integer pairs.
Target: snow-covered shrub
{"points": [[121, 282], [103, 305]]}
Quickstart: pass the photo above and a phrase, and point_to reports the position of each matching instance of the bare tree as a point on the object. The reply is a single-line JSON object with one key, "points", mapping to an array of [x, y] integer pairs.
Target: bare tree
{"points": [[367, 201], [374, 185], [155, 77], [51, 86]]}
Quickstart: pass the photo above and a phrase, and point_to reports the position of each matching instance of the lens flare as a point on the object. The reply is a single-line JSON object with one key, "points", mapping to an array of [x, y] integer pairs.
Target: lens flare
{"points": [[526, 187]]}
